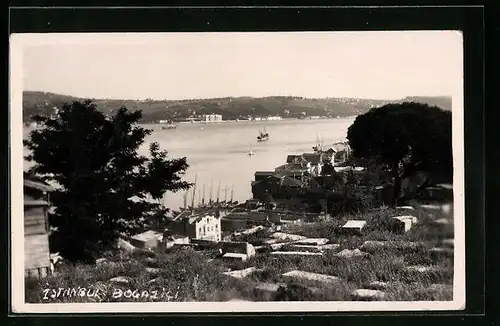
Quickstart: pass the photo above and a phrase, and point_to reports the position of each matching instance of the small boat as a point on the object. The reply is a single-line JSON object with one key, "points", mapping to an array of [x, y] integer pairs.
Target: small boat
{"points": [[168, 125], [319, 145], [263, 136], [250, 153]]}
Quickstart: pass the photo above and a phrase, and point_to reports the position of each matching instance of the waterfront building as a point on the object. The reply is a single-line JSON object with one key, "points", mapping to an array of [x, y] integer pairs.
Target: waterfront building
{"points": [[211, 118], [274, 118]]}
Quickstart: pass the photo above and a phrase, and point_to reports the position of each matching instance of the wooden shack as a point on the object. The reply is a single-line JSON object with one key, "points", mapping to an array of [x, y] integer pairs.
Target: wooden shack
{"points": [[36, 227]]}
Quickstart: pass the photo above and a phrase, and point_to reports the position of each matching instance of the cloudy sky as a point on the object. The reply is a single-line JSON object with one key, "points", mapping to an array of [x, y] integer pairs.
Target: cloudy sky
{"points": [[385, 65]]}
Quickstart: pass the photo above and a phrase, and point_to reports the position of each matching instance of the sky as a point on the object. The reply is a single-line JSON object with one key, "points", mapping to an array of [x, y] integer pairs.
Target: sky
{"points": [[377, 65]]}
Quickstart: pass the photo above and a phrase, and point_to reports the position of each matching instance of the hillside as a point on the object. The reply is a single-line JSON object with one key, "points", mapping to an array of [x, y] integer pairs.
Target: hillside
{"points": [[229, 107]]}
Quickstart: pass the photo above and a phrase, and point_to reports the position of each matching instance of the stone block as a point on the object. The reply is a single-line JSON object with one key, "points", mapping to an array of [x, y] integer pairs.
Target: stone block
{"points": [[347, 253], [311, 276], [241, 273], [353, 227], [367, 295]]}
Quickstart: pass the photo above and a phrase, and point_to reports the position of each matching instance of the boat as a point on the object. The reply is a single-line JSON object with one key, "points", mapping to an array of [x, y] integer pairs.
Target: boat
{"points": [[250, 153], [319, 145], [263, 136], [167, 125]]}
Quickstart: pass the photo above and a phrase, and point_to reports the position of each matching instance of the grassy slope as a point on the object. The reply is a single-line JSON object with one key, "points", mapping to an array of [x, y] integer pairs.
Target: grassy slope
{"points": [[187, 273], [40, 102]]}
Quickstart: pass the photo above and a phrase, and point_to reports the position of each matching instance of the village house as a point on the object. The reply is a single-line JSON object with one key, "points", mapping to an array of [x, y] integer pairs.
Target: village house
{"points": [[341, 153], [261, 175], [278, 186], [36, 226], [293, 170], [198, 225], [314, 162]]}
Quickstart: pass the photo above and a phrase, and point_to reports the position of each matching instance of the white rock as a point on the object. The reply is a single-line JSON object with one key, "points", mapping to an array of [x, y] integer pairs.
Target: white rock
{"points": [[450, 243], [235, 256], [311, 276], [268, 287], [412, 218], [152, 270], [422, 269], [125, 246], [442, 221], [353, 226], [368, 294], [373, 246], [446, 208], [377, 285], [331, 246], [119, 280], [346, 253], [431, 207], [440, 287], [442, 251], [313, 241], [287, 236], [100, 261], [402, 224], [296, 253], [305, 248], [277, 246], [410, 208], [241, 273]]}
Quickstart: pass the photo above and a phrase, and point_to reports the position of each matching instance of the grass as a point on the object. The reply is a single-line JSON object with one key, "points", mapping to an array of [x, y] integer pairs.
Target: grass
{"points": [[185, 274]]}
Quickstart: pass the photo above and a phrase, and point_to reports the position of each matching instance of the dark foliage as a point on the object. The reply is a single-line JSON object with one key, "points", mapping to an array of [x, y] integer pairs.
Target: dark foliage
{"points": [[95, 162], [404, 139]]}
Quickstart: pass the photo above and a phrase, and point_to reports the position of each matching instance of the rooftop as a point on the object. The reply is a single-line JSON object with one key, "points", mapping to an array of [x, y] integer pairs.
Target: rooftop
{"points": [[35, 203], [264, 173], [146, 236], [313, 158], [34, 182], [294, 158]]}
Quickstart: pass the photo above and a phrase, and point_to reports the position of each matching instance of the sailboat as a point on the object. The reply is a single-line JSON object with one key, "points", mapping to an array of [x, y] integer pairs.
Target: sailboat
{"points": [[319, 145], [250, 152], [263, 136]]}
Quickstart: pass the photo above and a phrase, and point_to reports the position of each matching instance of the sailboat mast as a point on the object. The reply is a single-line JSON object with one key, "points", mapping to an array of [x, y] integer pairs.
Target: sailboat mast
{"points": [[211, 190], [194, 192], [232, 193], [185, 199], [225, 194], [218, 193], [203, 198]]}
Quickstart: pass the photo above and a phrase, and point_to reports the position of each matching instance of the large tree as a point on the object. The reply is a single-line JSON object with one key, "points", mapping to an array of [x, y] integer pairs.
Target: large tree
{"points": [[405, 138], [105, 187]]}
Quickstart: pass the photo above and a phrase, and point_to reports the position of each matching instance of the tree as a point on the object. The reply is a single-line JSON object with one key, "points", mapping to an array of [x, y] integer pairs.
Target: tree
{"points": [[105, 188], [404, 138]]}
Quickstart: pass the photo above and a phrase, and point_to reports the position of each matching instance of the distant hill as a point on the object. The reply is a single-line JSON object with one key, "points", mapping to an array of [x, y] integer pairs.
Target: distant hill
{"points": [[229, 107]]}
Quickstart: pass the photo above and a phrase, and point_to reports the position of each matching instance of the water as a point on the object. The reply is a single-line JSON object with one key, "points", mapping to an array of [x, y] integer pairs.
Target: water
{"points": [[218, 153]]}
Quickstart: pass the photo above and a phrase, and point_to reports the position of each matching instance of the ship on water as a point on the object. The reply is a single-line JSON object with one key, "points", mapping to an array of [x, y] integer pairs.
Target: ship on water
{"points": [[167, 124], [263, 136]]}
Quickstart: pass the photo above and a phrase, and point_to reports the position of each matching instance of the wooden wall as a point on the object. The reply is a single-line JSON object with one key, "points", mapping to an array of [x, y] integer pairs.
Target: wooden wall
{"points": [[36, 239], [36, 251]]}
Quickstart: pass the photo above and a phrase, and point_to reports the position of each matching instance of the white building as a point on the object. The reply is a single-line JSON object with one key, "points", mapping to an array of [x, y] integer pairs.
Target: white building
{"points": [[211, 118], [274, 118]]}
